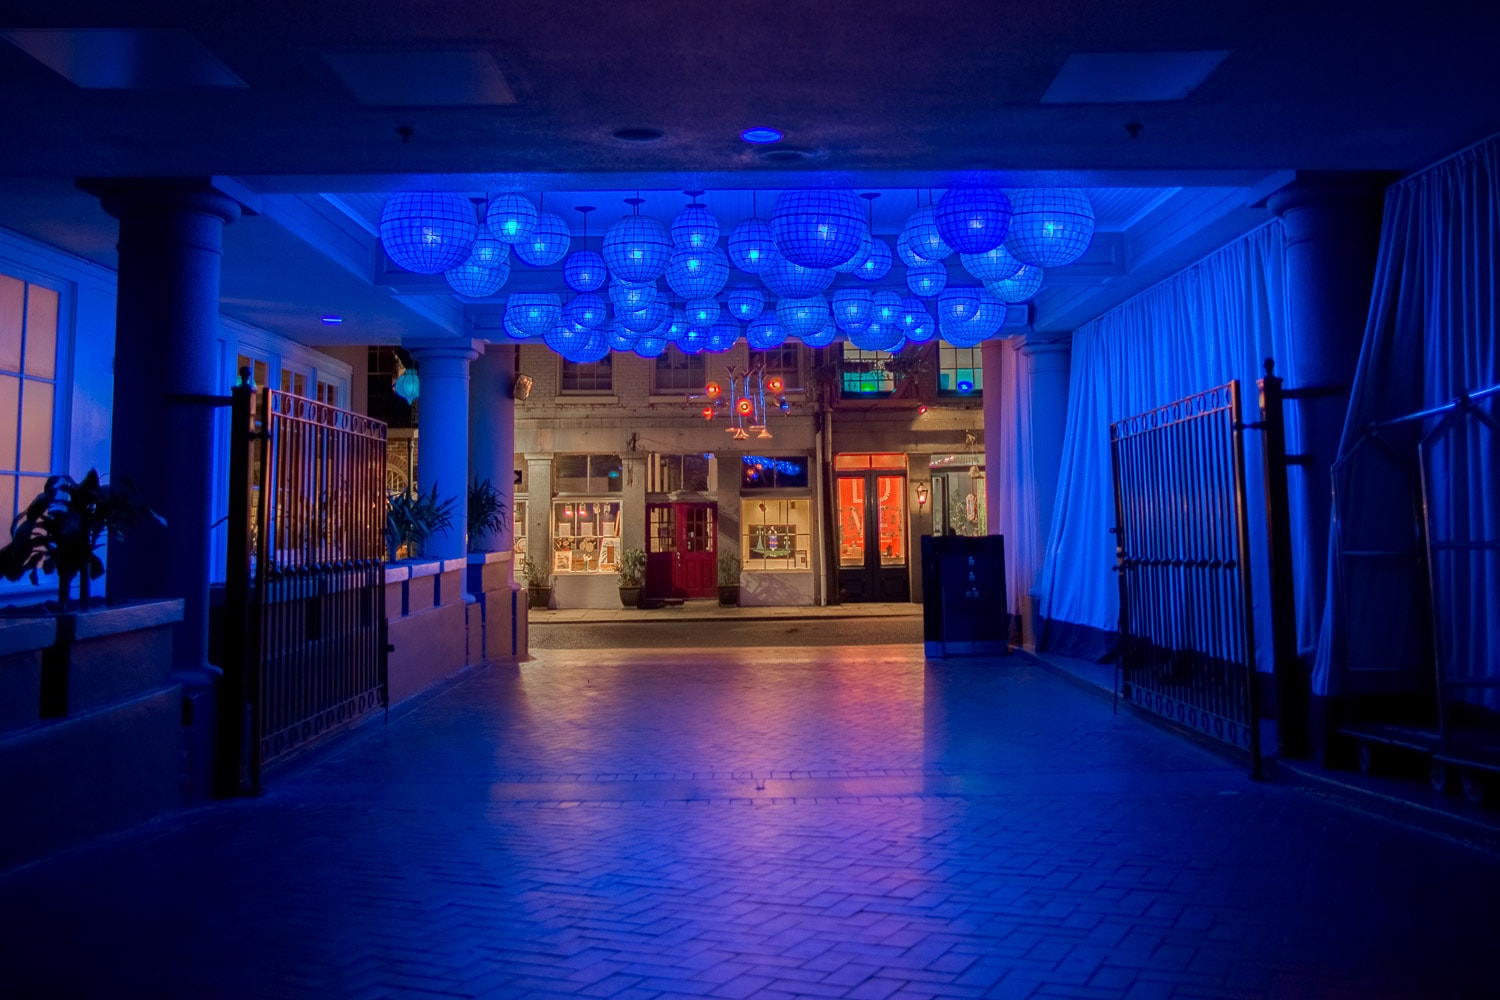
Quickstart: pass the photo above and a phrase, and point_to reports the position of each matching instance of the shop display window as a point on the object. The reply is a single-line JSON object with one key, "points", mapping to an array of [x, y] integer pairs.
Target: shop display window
{"points": [[776, 534], [518, 532], [585, 536], [773, 472]]}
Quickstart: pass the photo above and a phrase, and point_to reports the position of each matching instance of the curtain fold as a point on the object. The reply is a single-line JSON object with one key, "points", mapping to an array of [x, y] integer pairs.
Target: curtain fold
{"points": [[1013, 477], [1430, 337], [1216, 321]]}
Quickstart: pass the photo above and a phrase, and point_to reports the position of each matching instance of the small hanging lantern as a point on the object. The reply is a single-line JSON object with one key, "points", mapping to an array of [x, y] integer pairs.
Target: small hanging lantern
{"points": [[407, 385]]}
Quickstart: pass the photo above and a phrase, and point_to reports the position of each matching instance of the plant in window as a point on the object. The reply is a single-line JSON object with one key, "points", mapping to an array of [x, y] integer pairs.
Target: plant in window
{"points": [[61, 530], [411, 517], [486, 511]]}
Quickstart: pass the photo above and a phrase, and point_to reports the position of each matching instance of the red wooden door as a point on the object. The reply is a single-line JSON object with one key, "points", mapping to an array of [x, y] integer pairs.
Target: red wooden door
{"points": [[681, 551]]}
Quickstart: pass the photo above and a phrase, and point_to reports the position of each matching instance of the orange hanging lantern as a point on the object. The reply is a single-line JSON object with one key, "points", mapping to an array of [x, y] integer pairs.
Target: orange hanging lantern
{"points": [[708, 413], [774, 385], [745, 407], [712, 390]]}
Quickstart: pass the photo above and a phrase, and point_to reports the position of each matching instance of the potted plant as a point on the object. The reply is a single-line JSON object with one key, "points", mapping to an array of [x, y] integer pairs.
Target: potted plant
{"points": [[729, 580], [538, 583], [630, 574], [411, 517], [486, 512]]}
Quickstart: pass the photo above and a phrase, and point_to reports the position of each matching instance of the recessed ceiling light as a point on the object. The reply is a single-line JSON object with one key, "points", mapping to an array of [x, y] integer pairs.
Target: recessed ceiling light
{"points": [[332, 319], [639, 134], [760, 135]]}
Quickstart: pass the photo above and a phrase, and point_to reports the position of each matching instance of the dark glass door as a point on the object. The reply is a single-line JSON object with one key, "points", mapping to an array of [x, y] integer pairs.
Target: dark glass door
{"points": [[872, 536]]}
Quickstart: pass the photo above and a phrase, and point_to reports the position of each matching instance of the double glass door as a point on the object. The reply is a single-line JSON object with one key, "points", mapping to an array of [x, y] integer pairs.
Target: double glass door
{"points": [[681, 554], [872, 536]]}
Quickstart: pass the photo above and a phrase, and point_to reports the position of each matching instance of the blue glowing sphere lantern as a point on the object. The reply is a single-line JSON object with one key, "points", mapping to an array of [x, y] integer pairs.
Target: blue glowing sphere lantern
{"points": [[511, 218], [822, 336], [887, 308], [800, 317], [536, 313], [622, 338], [695, 228], [860, 256], [817, 227], [593, 346], [927, 280], [692, 341], [853, 308], [746, 303], [548, 244], [629, 296], [587, 310], [878, 336], [585, 271], [698, 274], [972, 220], [960, 334], [751, 245], [723, 335], [992, 265], [702, 313], [648, 317], [677, 325], [637, 248], [878, 264], [793, 281], [915, 322], [765, 332], [923, 237], [428, 232], [486, 270], [1019, 287], [1051, 226], [906, 254], [648, 346], [959, 303], [513, 330]]}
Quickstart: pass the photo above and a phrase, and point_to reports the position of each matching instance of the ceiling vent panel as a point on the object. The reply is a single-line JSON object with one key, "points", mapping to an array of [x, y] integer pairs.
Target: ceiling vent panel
{"points": [[428, 78], [126, 58], [1128, 77]]}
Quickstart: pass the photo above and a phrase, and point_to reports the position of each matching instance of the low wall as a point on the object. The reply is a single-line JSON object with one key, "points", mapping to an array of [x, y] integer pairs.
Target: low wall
{"points": [[428, 624], [771, 590], [501, 608]]}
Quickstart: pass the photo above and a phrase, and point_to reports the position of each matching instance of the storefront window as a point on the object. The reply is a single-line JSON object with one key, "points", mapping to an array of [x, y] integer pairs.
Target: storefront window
{"points": [[958, 495], [586, 536], [960, 372], [773, 472], [586, 474], [776, 534], [518, 532], [677, 473]]}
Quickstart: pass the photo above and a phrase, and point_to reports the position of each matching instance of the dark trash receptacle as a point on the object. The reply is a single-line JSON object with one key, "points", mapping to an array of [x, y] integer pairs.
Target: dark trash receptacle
{"points": [[964, 610]]}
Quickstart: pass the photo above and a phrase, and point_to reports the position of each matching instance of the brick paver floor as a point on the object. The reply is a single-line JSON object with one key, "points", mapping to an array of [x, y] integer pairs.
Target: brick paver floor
{"points": [[762, 822]]}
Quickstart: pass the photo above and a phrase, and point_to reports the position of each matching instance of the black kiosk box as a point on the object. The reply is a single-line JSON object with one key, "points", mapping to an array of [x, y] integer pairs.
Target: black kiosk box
{"points": [[964, 610]]}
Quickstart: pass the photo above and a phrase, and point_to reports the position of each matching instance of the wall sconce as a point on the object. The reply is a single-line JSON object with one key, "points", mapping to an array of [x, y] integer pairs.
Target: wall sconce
{"points": [[521, 387], [921, 496]]}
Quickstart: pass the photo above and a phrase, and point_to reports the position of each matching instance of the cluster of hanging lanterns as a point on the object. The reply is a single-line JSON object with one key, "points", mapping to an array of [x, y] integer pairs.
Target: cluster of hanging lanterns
{"points": [[1004, 243]]}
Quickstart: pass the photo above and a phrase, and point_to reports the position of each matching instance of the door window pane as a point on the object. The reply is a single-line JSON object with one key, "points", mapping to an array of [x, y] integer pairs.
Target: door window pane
{"points": [[851, 500], [891, 496], [12, 313], [41, 332], [36, 427]]}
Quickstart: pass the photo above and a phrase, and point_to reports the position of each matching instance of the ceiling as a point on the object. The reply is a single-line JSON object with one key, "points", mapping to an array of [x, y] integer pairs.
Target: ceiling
{"points": [[285, 101]]}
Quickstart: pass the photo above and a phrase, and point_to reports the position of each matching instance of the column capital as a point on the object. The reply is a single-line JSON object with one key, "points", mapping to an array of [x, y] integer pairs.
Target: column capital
{"points": [[443, 348], [120, 197], [1327, 188], [1046, 351]]}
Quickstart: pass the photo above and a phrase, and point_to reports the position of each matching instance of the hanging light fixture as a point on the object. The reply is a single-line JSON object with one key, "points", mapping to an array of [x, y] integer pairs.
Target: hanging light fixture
{"points": [[992, 265], [648, 346], [746, 303], [878, 336], [648, 317], [406, 385], [751, 243], [860, 256], [1019, 287], [924, 239], [637, 248], [878, 264], [695, 227], [823, 336], [765, 332], [584, 270], [697, 274], [916, 323], [548, 244], [428, 232], [887, 307], [702, 313], [793, 281], [1051, 226], [511, 218], [958, 303], [927, 280], [536, 313], [486, 270], [723, 335], [629, 296], [587, 310], [677, 325], [853, 308], [622, 338], [513, 330], [972, 220], [802, 316], [817, 227], [692, 341]]}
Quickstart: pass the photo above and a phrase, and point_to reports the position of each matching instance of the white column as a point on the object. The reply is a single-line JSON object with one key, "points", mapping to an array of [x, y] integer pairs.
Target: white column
{"points": [[492, 434], [1049, 360], [443, 432]]}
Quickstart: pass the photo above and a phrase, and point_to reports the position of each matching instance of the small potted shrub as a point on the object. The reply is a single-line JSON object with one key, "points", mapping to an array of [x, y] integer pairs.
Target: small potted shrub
{"points": [[630, 574], [538, 583], [411, 517], [729, 580], [486, 512]]}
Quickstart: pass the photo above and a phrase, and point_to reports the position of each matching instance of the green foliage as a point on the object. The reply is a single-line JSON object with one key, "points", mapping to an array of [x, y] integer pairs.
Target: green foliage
{"points": [[486, 512], [61, 530], [412, 517], [729, 570], [631, 571], [535, 574]]}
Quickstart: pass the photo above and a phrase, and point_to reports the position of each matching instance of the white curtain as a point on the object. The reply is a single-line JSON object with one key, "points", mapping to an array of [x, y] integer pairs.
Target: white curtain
{"points": [[1012, 477], [1216, 321], [1430, 337]]}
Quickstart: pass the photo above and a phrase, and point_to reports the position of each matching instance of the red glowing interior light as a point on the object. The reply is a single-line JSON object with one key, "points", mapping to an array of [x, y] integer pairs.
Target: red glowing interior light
{"points": [[708, 413], [774, 384], [712, 390]]}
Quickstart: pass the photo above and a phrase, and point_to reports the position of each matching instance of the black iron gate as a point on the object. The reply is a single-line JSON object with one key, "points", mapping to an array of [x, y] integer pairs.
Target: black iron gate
{"points": [[305, 584], [1187, 641]]}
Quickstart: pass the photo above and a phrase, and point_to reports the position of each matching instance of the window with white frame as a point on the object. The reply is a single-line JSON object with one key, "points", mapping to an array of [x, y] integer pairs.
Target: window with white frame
{"points": [[28, 390], [587, 377], [677, 473], [678, 372], [960, 371]]}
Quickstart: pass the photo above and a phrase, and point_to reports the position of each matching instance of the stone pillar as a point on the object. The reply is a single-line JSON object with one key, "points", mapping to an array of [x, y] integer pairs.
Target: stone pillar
{"points": [[731, 468], [1048, 367], [633, 500], [492, 435], [443, 433], [919, 484], [539, 513], [166, 374], [992, 360]]}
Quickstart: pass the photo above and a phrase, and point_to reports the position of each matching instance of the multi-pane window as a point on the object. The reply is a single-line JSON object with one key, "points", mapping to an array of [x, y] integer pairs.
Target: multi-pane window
{"points": [[28, 389], [773, 472], [678, 372], [776, 534], [586, 474], [960, 371], [676, 473], [593, 376], [782, 360], [866, 374]]}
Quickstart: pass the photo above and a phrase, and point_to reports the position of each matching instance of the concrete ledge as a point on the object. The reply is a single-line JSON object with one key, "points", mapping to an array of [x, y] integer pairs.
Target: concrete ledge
{"points": [[23, 635], [427, 567], [485, 558], [97, 622]]}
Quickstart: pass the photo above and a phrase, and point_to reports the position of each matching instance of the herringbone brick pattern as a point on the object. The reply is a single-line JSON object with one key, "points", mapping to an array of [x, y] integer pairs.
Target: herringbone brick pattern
{"points": [[765, 823]]}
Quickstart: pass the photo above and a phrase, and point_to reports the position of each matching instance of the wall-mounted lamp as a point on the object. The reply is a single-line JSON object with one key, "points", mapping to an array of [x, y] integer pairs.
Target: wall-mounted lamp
{"points": [[921, 496], [521, 388]]}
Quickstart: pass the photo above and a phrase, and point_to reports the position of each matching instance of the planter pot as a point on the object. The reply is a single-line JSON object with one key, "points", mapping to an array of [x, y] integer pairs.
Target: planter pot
{"points": [[540, 598], [729, 597], [630, 597]]}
